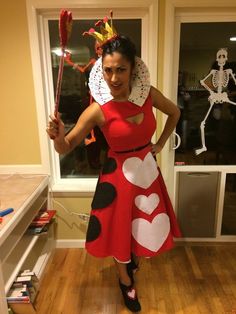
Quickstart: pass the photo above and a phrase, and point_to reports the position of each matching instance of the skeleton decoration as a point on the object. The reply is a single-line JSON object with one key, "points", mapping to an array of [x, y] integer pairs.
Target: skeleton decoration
{"points": [[220, 80]]}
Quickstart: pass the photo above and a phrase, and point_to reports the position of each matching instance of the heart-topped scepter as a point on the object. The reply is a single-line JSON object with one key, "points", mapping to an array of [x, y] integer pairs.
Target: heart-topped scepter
{"points": [[65, 27]]}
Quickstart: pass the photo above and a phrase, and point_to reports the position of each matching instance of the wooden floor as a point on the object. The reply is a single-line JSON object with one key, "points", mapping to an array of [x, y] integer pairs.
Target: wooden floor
{"points": [[188, 279]]}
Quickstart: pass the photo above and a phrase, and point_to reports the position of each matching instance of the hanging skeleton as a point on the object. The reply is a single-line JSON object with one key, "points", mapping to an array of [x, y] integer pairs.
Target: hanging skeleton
{"points": [[220, 80]]}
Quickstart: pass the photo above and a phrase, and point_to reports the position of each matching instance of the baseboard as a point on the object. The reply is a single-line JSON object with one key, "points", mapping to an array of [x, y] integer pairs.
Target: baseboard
{"points": [[13, 169], [71, 243]]}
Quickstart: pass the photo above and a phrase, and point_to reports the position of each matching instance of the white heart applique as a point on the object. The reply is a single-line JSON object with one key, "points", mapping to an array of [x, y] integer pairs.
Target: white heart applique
{"points": [[140, 172], [151, 235], [147, 204], [132, 294]]}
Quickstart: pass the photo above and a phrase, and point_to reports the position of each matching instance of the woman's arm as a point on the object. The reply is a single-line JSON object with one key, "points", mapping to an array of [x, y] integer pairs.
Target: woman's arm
{"points": [[171, 110], [90, 117]]}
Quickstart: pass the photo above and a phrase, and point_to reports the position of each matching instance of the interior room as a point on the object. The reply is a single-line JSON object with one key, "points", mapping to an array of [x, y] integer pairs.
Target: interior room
{"points": [[46, 197]]}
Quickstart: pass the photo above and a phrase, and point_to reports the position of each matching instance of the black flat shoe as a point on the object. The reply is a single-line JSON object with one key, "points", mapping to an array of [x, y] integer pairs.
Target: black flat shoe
{"points": [[130, 297]]}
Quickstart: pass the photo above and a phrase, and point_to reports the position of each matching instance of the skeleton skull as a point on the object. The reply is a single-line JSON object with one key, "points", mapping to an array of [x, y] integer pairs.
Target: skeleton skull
{"points": [[222, 56]]}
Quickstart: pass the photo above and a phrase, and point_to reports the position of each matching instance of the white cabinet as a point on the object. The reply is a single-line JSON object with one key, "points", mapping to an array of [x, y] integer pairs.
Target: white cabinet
{"points": [[27, 194]]}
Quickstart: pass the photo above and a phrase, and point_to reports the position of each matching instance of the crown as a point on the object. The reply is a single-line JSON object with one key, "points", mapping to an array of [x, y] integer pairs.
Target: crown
{"points": [[107, 31]]}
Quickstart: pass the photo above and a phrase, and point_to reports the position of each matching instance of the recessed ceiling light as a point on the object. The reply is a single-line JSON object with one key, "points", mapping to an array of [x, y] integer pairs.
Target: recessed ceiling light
{"points": [[233, 38]]}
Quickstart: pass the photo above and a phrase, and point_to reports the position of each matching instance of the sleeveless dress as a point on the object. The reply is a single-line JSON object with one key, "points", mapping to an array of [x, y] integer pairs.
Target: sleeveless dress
{"points": [[131, 209]]}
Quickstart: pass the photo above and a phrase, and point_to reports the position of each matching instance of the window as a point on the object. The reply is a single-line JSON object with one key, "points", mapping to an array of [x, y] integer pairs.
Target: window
{"points": [[87, 158], [199, 45], [135, 19]]}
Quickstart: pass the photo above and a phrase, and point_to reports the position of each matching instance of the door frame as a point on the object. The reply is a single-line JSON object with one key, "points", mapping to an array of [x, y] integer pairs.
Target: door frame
{"points": [[178, 12]]}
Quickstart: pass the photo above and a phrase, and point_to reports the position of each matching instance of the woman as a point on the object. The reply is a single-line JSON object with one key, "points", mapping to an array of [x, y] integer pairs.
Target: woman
{"points": [[131, 212]]}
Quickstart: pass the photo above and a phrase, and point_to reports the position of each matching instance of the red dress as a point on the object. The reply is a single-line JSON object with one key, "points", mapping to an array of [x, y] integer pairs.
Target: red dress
{"points": [[131, 209]]}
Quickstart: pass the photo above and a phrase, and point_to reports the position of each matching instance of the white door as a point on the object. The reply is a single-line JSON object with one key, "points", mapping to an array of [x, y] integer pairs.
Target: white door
{"points": [[200, 174]]}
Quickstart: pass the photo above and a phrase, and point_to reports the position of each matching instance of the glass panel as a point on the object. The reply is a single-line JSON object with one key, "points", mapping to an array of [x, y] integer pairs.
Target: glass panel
{"points": [[199, 44], [229, 210], [85, 160]]}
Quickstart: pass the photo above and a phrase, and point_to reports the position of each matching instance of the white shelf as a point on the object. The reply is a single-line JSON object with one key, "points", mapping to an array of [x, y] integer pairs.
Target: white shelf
{"points": [[18, 266], [19, 249]]}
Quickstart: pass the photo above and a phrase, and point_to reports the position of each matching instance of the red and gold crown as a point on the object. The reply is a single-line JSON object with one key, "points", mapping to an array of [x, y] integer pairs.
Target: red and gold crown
{"points": [[107, 31]]}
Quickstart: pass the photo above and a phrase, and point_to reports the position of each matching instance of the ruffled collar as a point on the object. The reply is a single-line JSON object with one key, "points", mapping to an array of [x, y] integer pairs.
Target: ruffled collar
{"points": [[140, 83]]}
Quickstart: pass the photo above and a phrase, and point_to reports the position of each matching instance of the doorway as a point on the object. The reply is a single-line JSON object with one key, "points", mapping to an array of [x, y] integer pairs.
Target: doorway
{"points": [[201, 184]]}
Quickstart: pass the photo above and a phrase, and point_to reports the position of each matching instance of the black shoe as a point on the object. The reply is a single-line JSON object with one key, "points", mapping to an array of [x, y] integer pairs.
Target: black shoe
{"points": [[130, 297]]}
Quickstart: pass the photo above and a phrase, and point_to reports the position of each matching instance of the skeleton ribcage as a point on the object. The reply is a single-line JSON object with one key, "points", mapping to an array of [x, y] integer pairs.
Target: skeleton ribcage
{"points": [[220, 78]]}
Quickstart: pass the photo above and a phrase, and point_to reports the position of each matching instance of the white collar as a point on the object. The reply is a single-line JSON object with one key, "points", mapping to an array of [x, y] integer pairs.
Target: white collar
{"points": [[140, 84]]}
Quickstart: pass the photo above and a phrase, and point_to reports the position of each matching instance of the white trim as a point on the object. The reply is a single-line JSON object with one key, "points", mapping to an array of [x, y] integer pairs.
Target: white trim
{"points": [[71, 243], [83, 185], [89, 4], [38, 85], [3, 303], [38, 12], [220, 203], [223, 16], [166, 156], [8, 169], [150, 57], [202, 3], [225, 238], [208, 168], [80, 243]]}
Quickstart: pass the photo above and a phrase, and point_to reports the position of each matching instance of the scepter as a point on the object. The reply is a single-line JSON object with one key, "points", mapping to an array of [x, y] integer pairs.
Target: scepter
{"points": [[65, 26]]}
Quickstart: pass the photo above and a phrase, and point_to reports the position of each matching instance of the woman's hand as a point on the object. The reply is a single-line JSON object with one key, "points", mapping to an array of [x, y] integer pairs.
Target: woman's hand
{"points": [[171, 110], [155, 149], [56, 128], [65, 143]]}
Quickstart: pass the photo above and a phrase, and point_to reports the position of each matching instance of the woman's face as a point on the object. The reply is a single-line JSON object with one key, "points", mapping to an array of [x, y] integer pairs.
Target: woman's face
{"points": [[117, 74]]}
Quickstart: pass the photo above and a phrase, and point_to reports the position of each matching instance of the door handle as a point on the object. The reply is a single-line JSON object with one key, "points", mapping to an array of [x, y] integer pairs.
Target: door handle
{"points": [[176, 145]]}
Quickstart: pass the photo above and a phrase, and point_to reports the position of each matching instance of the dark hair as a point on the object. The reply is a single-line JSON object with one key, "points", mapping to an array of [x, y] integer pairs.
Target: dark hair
{"points": [[123, 45]]}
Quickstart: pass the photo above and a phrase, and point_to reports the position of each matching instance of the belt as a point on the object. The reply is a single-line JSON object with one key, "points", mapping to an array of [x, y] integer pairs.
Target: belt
{"points": [[133, 149]]}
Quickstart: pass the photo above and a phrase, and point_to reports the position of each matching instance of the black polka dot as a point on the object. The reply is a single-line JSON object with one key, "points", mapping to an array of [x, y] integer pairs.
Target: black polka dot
{"points": [[94, 229], [109, 166], [104, 195]]}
